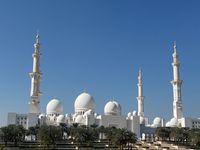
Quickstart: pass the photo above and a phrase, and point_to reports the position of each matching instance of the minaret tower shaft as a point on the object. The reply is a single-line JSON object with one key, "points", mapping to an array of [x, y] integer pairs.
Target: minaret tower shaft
{"points": [[176, 84], [140, 97], [35, 79]]}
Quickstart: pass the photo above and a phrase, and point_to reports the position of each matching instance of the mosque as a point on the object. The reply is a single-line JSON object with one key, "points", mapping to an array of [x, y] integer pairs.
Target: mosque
{"points": [[84, 106]]}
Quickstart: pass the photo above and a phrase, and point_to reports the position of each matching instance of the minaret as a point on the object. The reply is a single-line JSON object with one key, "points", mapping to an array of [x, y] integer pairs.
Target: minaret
{"points": [[176, 83], [35, 79], [140, 97]]}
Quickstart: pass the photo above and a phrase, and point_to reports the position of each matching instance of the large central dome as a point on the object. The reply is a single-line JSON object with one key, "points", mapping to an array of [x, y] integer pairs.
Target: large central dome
{"points": [[83, 103]]}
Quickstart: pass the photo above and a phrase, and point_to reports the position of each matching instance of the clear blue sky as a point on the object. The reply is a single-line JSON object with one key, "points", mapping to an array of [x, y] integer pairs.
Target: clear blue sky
{"points": [[100, 45]]}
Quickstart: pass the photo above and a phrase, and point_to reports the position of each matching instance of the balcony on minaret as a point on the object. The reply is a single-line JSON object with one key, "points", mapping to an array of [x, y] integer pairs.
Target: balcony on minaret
{"points": [[34, 101], [36, 54], [37, 45], [176, 63], [174, 82], [35, 74]]}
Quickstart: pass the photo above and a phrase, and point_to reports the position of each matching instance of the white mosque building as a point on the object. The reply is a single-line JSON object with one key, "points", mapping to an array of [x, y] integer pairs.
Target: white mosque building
{"points": [[84, 106]]}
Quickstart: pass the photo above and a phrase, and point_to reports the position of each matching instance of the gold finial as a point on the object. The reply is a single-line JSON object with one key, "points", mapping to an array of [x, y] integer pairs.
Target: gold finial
{"points": [[37, 43], [37, 37], [140, 72], [140, 75], [175, 46]]}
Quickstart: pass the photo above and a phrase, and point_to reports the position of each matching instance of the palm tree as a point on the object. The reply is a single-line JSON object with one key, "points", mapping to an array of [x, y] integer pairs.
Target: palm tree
{"points": [[83, 135], [5, 134], [185, 135], [175, 134], [130, 138], [49, 135], [101, 130], [33, 132], [94, 126], [13, 133], [73, 131], [123, 137], [119, 137], [43, 136], [179, 135], [194, 137], [163, 133], [64, 130], [109, 133]]}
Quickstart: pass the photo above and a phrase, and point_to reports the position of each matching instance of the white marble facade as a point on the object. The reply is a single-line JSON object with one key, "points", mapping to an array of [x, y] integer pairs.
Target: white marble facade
{"points": [[84, 106]]}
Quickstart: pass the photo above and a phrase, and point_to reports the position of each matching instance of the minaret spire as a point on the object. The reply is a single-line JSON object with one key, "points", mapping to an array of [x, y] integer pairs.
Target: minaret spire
{"points": [[35, 78], [140, 97], [174, 46], [176, 83], [37, 41]]}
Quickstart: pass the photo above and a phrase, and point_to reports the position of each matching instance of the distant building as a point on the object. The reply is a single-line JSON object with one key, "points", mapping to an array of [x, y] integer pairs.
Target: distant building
{"points": [[84, 106]]}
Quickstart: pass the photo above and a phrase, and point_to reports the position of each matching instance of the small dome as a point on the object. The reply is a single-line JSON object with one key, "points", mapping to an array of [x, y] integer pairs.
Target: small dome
{"points": [[134, 113], [84, 102], [41, 116], [54, 107], [60, 119], [129, 114], [112, 108], [157, 121]]}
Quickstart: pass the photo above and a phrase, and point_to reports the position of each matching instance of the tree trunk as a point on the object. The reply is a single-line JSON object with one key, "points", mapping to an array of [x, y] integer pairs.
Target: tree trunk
{"points": [[5, 143]]}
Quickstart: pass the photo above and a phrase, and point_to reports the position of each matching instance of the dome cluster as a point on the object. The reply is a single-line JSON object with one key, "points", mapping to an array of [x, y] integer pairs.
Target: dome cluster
{"points": [[130, 114], [84, 106]]}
